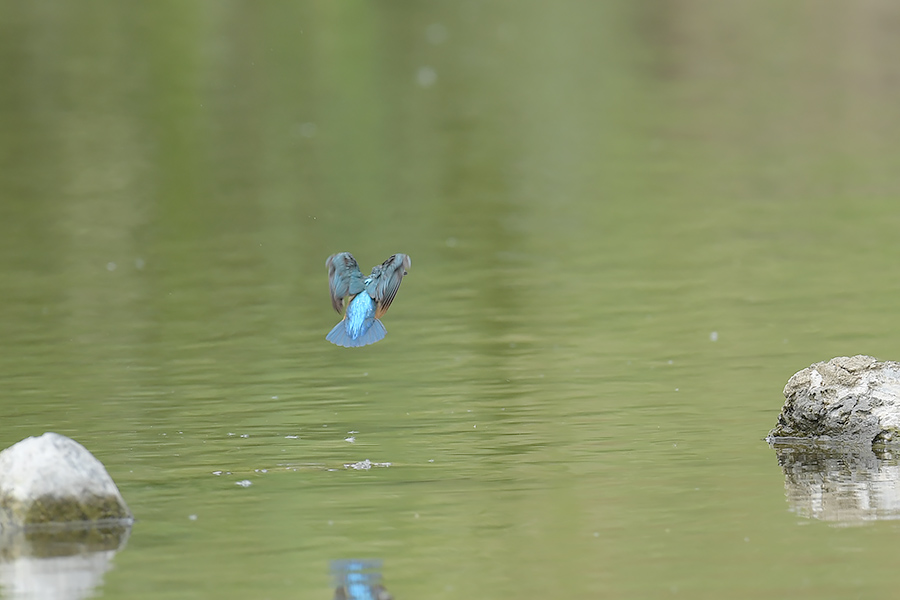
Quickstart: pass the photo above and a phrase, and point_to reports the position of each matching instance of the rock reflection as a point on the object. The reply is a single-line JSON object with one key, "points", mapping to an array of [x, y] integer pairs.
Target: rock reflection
{"points": [[58, 562], [842, 485], [356, 579]]}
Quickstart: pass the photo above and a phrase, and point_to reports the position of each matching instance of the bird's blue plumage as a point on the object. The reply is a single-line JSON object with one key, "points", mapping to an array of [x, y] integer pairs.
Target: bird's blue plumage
{"points": [[369, 297], [359, 327]]}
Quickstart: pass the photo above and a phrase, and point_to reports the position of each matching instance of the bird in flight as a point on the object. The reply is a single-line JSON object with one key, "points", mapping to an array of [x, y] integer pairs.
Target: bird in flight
{"points": [[368, 297]]}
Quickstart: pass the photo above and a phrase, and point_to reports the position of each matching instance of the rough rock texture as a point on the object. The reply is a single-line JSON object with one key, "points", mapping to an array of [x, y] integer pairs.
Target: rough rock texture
{"points": [[54, 479], [847, 399]]}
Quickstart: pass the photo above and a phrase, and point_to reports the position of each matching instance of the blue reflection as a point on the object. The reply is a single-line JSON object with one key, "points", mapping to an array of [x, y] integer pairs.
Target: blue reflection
{"points": [[358, 579]]}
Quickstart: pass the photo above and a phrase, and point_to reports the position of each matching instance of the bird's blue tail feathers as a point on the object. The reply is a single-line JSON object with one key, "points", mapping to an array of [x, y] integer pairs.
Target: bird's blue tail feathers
{"points": [[341, 335]]}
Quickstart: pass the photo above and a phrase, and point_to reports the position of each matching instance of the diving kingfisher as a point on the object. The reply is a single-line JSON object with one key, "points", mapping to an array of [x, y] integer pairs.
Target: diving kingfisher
{"points": [[369, 298]]}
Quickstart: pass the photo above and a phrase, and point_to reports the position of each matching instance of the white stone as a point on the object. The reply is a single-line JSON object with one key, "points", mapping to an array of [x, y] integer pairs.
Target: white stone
{"points": [[53, 478], [847, 399]]}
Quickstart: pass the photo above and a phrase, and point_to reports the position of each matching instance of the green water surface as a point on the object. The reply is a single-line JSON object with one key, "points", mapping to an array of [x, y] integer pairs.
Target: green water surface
{"points": [[630, 223]]}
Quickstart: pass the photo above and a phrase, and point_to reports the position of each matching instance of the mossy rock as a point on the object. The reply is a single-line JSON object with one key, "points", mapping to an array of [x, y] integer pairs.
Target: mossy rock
{"points": [[54, 479]]}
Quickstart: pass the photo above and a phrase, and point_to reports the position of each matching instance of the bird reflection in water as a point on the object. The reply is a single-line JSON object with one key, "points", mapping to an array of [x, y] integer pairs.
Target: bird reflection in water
{"points": [[356, 579]]}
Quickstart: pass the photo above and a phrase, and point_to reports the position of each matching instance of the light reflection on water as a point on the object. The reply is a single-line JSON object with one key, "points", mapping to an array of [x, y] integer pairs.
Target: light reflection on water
{"points": [[842, 485], [65, 563]]}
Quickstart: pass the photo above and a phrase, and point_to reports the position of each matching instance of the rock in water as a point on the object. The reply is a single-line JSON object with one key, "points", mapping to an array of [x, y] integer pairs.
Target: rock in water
{"points": [[847, 399], [54, 479]]}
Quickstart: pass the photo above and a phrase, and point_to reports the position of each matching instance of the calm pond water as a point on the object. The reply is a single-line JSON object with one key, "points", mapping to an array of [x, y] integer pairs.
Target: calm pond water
{"points": [[630, 223]]}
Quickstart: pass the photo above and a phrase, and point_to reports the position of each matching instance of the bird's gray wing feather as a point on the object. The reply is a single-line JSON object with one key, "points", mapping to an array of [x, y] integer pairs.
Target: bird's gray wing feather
{"points": [[344, 278], [385, 281]]}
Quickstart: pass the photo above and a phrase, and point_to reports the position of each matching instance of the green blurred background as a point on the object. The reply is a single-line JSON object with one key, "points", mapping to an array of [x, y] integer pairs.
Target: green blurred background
{"points": [[629, 221]]}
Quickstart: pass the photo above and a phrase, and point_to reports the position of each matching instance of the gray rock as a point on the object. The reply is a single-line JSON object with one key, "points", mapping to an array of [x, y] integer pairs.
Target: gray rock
{"points": [[54, 479], [847, 399]]}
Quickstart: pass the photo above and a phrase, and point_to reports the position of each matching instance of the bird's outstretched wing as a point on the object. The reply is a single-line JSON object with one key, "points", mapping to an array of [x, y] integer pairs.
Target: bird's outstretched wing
{"points": [[385, 281], [344, 278]]}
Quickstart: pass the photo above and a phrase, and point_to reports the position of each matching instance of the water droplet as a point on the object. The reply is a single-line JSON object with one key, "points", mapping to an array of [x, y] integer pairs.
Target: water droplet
{"points": [[426, 76]]}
